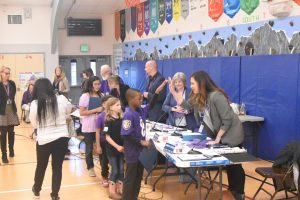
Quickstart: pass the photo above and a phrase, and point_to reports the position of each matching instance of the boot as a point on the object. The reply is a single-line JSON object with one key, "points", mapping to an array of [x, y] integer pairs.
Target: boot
{"points": [[3, 148], [119, 187], [112, 191], [11, 143]]}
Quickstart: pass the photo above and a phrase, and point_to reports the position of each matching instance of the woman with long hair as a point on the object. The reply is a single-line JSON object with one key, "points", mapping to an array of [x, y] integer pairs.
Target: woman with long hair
{"points": [[118, 89], [48, 113], [90, 107], [86, 74], [60, 82], [214, 114], [8, 113]]}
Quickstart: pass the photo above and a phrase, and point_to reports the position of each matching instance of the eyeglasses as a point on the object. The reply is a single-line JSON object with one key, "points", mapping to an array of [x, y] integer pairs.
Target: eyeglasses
{"points": [[7, 73]]}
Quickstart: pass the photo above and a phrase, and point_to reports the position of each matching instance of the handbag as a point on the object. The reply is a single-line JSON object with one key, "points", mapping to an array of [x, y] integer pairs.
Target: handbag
{"points": [[71, 127]]}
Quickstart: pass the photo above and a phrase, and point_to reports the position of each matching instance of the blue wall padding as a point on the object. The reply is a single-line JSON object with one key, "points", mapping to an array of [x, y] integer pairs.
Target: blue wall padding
{"points": [[269, 86], [219, 69], [136, 73], [298, 104]]}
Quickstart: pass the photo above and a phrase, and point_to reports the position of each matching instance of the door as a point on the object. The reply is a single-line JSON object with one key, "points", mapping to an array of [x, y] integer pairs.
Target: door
{"points": [[22, 67]]}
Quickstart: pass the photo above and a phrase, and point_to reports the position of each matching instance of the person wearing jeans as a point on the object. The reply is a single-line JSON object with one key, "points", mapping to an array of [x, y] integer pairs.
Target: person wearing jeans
{"points": [[90, 106], [48, 113]]}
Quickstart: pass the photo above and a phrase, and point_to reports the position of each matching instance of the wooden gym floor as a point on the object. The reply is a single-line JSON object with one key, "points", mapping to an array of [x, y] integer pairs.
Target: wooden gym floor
{"points": [[16, 178]]}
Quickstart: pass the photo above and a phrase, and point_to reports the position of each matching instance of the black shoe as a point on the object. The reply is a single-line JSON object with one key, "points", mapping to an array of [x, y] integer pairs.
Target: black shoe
{"points": [[55, 197], [36, 194], [238, 196], [11, 154], [5, 160]]}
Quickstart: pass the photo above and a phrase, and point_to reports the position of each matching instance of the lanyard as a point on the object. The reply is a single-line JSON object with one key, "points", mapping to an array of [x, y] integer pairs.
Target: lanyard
{"points": [[6, 87]]}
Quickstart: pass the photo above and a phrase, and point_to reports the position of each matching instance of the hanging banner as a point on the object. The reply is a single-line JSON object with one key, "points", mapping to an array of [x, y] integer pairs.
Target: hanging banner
{"points": [[122, 25], [231, 7], [146, 17], [169, 11], [161, 11], [297, 2], [140, 19], [128, 19], [176, 10], [153, 15], [215, 9], [117, 25], [249, 5], [133, 18], [194, 5], [185, 8]]}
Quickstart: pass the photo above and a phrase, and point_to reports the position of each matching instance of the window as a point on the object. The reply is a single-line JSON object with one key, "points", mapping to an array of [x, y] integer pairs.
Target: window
{"points": [[73, 72], [93, 66]]}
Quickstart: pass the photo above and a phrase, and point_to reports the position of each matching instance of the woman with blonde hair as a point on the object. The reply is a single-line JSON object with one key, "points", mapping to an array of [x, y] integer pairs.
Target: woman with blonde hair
{"points": [[8, 113], [60, 82]]}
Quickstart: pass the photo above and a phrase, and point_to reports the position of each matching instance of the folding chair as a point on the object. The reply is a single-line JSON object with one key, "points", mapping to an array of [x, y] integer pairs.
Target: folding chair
{"points": [[282, 180]]}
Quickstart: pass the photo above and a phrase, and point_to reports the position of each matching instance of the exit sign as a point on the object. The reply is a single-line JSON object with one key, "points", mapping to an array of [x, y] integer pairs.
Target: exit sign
{"points": [[84, 48]]}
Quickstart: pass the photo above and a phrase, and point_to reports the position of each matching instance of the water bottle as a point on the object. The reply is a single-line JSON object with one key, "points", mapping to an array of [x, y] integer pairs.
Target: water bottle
{"points": [[243, 109]]}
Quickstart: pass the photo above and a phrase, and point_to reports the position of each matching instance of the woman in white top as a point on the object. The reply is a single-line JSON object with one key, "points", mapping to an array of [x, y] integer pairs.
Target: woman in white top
{"points": [[48, 115]]}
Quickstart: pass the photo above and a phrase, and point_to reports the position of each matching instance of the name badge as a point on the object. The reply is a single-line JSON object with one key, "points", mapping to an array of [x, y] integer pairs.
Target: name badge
{"points": [[201, 128], [8, 101]]}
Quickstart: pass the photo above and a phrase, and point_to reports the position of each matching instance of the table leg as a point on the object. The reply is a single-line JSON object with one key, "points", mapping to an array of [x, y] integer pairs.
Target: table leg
{"points": [[220, 183], [199, 183]]}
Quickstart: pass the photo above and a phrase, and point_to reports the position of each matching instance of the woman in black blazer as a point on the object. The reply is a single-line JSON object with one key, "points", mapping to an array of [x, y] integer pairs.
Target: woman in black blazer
{"points": [[118, 89], [8, 113]]}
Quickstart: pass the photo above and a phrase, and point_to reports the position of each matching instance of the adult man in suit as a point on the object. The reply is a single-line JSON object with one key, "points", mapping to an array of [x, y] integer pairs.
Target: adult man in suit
{"points": [[155, 79]]}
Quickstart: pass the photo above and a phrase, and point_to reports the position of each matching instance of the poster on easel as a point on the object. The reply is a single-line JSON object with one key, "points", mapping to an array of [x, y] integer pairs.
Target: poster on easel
{"points": [[26, 78]]}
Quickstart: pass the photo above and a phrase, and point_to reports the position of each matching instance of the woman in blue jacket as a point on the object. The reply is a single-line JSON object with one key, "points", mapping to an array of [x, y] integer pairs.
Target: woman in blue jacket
{"points": [[178, 116]]}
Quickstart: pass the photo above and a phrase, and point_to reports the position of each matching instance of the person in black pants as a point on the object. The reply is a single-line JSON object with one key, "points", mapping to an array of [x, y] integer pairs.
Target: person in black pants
{"points": [[214, 114], [101, 143], [48, 113], [8, 113]]}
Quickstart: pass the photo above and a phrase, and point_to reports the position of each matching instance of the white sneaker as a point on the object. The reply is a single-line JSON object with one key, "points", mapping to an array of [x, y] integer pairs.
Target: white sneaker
{"points": [[92, 172]]}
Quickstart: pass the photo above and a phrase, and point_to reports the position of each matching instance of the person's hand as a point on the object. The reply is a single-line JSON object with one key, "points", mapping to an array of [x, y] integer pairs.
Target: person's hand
{"points": [[98, 149], [145, 95], [216, 141], [171, 86], [178, 109], [161, 87], [145, 143], [120, 149]]}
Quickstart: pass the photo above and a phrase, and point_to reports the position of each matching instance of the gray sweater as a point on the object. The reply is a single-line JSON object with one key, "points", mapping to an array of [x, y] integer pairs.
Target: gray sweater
{"points": [[222, 117]]}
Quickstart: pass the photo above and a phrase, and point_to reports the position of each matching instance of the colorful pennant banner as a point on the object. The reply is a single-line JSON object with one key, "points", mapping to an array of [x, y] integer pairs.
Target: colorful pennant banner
{"points": [[122, 25], [133, 19], [140, 19], [231, 7], [185, 8], [161, 11], [176, 9], [146, 17], [169, 11], [249, 5], [128, 19], [215, 9], [117, 25], [153, 15]]}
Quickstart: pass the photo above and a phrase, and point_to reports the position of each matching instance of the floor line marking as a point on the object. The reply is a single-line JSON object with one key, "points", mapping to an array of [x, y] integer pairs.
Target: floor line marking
{"points": [[49, 187]]}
